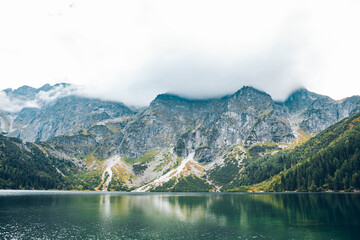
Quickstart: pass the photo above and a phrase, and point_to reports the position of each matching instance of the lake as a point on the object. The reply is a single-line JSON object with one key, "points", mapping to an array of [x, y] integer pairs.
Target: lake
{"points": [[104, 215]]}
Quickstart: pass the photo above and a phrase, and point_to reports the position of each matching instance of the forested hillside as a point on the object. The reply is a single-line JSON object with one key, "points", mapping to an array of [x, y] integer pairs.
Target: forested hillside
{"points": [[237, 142], [329, 161], [26, 166]]}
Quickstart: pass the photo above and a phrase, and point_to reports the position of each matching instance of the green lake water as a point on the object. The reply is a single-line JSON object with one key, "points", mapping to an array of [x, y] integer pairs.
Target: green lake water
{"points": [[102, 215]]}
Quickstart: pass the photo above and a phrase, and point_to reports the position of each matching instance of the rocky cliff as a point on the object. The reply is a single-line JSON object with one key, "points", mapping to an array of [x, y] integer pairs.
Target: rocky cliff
{"points": [[55, 110], [210, 139]]}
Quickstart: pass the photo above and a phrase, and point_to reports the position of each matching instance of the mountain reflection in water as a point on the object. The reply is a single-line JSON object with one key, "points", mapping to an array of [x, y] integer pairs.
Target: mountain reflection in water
{"points": [[178, 216]]}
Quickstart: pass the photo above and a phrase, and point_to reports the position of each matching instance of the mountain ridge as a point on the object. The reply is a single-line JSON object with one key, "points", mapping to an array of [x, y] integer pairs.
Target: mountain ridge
{"points": [[248, 109], [206, 141]]}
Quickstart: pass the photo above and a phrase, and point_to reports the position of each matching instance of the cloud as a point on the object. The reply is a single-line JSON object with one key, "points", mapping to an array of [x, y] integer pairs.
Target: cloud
{"points": [[130, 51], [12, 103], [205, 72], [55, 93]]}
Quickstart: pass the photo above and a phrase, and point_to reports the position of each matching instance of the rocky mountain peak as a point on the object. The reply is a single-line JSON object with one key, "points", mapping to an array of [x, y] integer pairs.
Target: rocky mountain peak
{"points": [[249, 90], [246, 92], [249, 98], [46, 87], [29, 93], [23, 92], [7, 90], [250, 93], [302, 98], [24, 88], [168, 97], [207, 127]]}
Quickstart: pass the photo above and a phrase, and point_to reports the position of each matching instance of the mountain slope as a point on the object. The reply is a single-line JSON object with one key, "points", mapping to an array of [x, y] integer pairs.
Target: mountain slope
{"points": [[207, 127], [329, 161], [318, 112], [55, 110], [28, 166], [238, 140]]}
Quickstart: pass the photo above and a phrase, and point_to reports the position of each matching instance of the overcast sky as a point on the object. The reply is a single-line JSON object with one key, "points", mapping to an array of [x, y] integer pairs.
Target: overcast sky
{"points": [[133, 50]]}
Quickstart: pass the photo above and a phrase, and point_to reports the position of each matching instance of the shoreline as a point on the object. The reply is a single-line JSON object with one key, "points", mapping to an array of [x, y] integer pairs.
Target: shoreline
{"points": [[163, 193]]}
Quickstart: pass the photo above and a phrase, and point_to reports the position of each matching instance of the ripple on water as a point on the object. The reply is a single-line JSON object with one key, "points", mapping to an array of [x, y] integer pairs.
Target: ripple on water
{"points": [[68, 215]]}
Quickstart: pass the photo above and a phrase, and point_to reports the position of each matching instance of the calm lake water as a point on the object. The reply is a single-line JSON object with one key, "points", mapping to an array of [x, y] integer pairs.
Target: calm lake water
{"points": [[75, 215]]}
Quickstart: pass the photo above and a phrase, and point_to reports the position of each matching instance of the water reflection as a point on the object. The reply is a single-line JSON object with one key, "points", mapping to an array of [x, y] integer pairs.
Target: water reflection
{"points": [[297, 209], [158, 216], [105, 205]]}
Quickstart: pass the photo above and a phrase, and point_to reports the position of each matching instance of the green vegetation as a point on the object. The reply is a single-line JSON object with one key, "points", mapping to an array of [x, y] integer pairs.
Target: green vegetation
{"points": [[329, 161], [166, 187], [147, 157], [259, 150], [87, 180], [139, 168], [166, 160], [191, 184], [117, 185], [26, 166], [222, 175]]}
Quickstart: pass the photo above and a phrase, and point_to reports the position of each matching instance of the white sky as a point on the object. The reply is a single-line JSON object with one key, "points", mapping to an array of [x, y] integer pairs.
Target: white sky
{"points": [[133, 50]]}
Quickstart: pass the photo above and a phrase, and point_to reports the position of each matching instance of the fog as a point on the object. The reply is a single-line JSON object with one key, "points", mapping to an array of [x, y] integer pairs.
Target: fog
{"points": [[13, 103], [130, 51]]}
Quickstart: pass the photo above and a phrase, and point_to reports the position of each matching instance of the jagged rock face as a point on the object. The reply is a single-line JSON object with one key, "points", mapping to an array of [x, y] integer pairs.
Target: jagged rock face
{"points": [[5, 123], [24, 92], [66, 116], [319, 112], [247, 117], [75, 145], [101, 142], [209, 127], [63, 116], [101, 132], [206, 128], [157, 126], [252, 116], [302, 99]]}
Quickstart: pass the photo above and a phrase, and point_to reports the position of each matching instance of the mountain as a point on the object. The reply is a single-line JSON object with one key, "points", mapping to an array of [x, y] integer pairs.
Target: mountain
{"points": [[207, 127], [212, 144], [27, 166], [318, 112], [328, 161], [57, 110], [249, 116]]}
